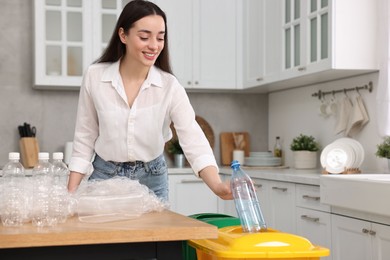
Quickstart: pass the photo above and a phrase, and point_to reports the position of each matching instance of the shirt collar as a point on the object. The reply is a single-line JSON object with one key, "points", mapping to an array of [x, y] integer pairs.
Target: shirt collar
{"points": [[111, 73]]}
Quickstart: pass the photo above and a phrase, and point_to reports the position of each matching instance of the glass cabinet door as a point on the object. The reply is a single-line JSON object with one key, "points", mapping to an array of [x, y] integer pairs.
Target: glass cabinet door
{"points": [[318, 17], [69, 36], [305, 32], [292, 26], [60, 44], [108, 12]]}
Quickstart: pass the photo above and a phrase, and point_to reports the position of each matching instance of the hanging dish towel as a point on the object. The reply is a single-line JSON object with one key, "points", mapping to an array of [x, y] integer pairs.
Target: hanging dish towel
{"points": [[344, 109], [358, 117]]}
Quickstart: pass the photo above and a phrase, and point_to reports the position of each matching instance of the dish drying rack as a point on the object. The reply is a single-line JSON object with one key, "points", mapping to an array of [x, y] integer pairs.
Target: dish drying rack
{"points": [[321, 94], [346, 171]]}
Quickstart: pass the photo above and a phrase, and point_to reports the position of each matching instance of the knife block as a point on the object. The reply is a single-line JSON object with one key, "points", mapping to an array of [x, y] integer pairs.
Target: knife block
{"points": [[29, 150]]}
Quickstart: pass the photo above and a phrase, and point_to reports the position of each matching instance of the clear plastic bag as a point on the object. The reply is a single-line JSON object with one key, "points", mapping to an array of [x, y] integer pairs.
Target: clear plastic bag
{"points": [[114, 199]]}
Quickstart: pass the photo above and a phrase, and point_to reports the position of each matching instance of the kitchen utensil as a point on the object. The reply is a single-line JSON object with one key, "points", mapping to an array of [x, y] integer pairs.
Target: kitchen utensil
{"points": [[204, 125], [227, 146]]}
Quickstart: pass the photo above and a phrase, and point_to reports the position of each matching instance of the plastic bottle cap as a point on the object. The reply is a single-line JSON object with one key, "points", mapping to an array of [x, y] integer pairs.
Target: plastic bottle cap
{"points": [[13, 156], [58, 156], [43, 156], [234, 164]]}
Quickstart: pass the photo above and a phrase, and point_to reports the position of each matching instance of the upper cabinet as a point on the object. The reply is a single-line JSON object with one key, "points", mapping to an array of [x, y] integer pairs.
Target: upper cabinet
{"points": [[318, 40], [211, 42], [69, 36], [219, 44]]}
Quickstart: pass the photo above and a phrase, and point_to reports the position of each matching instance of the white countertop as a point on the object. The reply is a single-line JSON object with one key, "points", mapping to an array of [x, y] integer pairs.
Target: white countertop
{"points": [[311, 177]]}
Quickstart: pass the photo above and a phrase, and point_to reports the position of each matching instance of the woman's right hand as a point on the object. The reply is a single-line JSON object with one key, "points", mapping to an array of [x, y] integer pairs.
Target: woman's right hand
{"points": [[74, 181]]}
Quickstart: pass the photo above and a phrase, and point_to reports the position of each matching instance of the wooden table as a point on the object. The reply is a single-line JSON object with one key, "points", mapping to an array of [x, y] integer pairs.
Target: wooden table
{"points": [[155, 235]]}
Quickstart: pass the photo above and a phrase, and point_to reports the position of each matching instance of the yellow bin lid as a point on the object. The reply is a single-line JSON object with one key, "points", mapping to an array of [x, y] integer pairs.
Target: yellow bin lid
{"points": [[233, 243]]}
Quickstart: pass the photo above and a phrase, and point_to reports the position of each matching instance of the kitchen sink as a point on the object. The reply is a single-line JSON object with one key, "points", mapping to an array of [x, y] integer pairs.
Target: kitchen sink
{"points": [[363, 192]]}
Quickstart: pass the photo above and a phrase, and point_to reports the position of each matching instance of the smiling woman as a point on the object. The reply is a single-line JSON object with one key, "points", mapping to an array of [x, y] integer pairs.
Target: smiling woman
{"points": [[127, 102]]}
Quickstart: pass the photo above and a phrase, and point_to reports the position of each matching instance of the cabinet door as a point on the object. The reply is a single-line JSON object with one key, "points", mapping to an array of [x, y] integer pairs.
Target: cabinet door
{"points": [[315, 226], [190, 195], [214, 49], [350, 239], [180, 37], [62, 41], [106, 14], [282, 206], [381, 241], [250, 45]]}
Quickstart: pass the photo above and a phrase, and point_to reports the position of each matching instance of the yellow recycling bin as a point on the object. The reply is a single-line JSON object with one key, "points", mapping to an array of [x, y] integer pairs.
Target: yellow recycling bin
{"points": [[232, 243]]}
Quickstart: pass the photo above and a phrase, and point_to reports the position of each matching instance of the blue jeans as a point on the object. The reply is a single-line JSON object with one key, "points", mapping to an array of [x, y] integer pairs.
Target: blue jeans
{"points": [[153, 174]]}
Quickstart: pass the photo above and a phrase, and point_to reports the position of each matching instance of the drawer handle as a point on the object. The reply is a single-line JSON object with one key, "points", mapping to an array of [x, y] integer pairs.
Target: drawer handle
{"points": [[301, 68], [281, 189], [310, 197], [191, 181], [258, 185], [369, 231], [306, 217]]}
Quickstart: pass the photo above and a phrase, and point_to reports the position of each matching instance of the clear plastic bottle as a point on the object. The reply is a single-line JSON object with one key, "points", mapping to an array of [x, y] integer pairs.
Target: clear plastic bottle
{"points": [[59, 199], [41, 192], [245, 199], [278, 148], [14, 205]]}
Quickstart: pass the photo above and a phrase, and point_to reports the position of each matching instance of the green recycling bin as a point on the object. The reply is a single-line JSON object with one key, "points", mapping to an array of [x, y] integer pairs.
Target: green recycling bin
{"points": [[215, 219]]}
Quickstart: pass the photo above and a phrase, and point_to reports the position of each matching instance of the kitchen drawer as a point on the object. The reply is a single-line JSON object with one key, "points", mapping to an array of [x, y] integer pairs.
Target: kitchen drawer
{"points": [[308, 196]]}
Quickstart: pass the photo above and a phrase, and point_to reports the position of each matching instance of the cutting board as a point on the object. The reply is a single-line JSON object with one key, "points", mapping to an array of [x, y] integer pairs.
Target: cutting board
{"points": [[227, 146]]}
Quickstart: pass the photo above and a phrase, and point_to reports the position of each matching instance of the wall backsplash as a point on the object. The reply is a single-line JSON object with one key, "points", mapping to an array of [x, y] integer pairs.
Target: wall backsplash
{"points": [[53, 112], [300, 114]]}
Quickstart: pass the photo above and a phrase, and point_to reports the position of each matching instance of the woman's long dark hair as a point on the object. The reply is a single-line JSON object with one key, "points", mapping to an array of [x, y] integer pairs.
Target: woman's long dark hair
{"points": [[131, 13]]}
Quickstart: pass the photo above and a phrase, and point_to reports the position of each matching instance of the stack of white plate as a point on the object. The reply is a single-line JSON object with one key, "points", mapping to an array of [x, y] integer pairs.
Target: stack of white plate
{"points": [[262, 159], [344, 153]]}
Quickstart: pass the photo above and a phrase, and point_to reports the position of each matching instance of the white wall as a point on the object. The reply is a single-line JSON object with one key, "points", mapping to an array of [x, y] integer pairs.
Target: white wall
{"points": [[295, 111]]}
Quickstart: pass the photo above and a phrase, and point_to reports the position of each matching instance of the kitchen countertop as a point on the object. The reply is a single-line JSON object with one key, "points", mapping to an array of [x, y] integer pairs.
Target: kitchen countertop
{"points": [[150, 227], [310, 176]]}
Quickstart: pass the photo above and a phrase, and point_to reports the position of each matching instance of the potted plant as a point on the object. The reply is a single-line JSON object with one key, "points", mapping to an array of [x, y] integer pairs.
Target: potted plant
{"points": [[383, 149], [174, 148], [305, 149]]}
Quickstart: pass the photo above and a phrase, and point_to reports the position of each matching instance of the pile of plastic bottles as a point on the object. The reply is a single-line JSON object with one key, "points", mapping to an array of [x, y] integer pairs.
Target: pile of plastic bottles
{"points": [[42, 198]]}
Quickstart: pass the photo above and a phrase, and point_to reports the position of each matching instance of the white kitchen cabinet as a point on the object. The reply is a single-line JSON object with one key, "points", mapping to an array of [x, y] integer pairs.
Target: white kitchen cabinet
{"points": [[277, 202], [359, 239], [190, 195], [313, 219], [281, 214], [319, 40], [215, 44], [69, 36]]}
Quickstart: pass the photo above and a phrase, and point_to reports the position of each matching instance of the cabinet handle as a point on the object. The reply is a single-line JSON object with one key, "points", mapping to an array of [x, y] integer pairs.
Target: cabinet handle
{"points": [[258, 185], [188, 82], [196, 82], [191, 181], [310, 218], [372, 232], [301, 68], [308, 197], [281, 189], [259, 79], [365, 230]]}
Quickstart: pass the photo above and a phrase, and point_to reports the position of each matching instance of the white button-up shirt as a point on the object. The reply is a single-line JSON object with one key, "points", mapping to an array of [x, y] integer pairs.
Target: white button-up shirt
{"points": [[108, 126]]}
